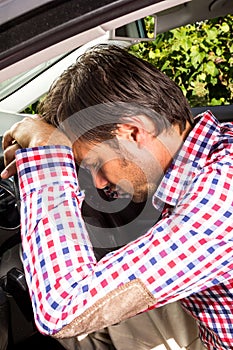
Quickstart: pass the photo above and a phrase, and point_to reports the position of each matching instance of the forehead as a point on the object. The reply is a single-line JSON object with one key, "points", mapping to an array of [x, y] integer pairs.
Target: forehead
{"points": [[91, 151]]}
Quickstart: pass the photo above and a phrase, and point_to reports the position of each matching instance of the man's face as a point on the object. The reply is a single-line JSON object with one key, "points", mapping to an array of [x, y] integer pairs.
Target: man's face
{"points": [[134, 169]]}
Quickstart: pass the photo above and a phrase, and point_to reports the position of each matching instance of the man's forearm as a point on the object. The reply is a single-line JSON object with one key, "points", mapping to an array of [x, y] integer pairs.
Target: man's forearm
{"points": [[71, 292]]}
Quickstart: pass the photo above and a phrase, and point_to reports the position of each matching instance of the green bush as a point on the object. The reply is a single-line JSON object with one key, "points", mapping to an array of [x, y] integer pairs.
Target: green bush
{"points": [[197, 57]]}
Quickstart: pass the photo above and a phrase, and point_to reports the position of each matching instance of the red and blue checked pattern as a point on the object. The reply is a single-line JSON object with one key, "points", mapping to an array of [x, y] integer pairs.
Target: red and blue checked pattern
{"points": [[186, 255], [213, 310]]}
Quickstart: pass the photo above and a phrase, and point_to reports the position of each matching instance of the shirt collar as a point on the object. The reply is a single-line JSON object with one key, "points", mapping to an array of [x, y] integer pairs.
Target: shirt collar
{"points": [[191, 157]]}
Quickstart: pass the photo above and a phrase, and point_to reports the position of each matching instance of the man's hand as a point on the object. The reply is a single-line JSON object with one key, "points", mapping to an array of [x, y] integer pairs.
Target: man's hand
{"points": [[30, 132]]}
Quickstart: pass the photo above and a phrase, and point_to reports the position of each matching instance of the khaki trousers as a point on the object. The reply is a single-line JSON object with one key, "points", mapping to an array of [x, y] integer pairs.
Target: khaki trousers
{"points": [[166, 328]]}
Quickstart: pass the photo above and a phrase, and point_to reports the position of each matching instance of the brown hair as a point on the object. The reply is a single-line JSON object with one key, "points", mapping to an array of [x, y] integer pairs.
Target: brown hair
{"points": [[105, 85]]}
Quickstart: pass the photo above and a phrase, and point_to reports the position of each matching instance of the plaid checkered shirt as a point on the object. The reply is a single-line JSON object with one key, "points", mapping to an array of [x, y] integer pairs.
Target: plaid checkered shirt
{"points": [[187, 255]]}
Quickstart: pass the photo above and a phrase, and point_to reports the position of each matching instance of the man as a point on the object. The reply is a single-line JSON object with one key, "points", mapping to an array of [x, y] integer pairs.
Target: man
{"points": [[131, 127]]}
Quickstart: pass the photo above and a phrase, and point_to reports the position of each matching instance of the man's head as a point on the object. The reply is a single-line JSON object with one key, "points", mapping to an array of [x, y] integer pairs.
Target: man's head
{"points": [[124, 107], [107, 74]]}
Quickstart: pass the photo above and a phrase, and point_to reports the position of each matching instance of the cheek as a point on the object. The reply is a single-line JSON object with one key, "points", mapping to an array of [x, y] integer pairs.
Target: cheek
{"points": [[125, 175], [112, 171]]}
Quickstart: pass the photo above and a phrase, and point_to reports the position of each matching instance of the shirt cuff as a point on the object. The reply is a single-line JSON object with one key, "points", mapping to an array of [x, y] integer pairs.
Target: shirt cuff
{"points": [[42, 166]]}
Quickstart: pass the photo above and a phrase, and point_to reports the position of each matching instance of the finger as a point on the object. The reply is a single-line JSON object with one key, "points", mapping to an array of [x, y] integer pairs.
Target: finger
{"points": [[18, 133], [9, 170], [9, 153], [7, 139]]}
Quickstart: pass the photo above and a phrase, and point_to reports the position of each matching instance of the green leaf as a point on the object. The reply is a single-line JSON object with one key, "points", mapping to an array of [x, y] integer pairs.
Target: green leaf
{"points": [[219, 51], [215, 102], [225, 27], [213, 81], [231, 48], [212, 34], [210, 68], [152, 55], [166, 64], [201, 77]]}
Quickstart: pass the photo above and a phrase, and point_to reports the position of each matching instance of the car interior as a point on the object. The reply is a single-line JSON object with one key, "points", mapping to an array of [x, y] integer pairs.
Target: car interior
{"points": [[39, 39]]}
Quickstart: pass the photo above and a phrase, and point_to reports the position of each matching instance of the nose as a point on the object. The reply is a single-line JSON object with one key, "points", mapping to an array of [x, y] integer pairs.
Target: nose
{"points": [[99, 179]]}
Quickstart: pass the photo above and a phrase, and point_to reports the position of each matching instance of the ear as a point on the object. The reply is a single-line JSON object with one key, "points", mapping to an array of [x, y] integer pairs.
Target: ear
{"points": [[137, 129], [127, 132]]}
